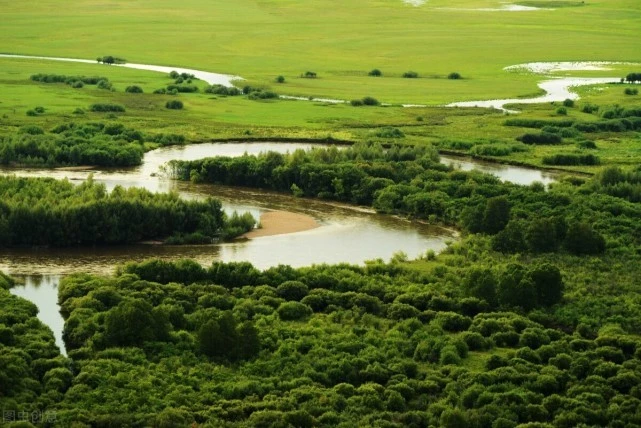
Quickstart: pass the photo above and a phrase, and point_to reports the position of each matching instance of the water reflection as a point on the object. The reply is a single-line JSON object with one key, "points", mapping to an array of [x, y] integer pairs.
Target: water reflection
{"points": [[42, 290], [513, 174]]}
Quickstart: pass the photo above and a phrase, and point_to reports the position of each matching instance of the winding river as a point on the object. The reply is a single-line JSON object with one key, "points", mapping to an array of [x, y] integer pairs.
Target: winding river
{"points": [[346, 234], [556, 88]]}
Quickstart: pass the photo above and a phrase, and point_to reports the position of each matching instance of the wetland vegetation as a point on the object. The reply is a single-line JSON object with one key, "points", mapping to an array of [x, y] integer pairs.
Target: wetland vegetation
{"points": [[528, 318]]}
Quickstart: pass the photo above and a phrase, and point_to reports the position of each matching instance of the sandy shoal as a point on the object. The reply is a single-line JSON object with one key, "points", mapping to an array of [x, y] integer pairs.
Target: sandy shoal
{"points": [[281, 222]]}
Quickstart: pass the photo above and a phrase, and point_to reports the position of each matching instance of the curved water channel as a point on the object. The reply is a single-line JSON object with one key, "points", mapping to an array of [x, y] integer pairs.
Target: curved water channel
{"points": [[346, 234], [556, 88]]}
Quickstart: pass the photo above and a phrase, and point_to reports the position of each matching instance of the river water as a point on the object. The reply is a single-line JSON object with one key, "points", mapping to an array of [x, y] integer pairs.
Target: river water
{"points": [[347, 234]]}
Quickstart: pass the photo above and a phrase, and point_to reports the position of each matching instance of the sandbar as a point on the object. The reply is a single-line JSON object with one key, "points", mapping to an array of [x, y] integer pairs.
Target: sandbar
{"points": [[281, 222]]}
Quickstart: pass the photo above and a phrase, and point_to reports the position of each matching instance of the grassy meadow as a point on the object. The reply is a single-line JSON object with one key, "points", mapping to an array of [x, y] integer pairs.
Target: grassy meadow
{"points": [[339, 40]]}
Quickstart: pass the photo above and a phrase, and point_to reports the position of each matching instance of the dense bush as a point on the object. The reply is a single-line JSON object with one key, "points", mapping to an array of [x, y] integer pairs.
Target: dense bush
{"points": [[375, 72], [544, 138], [134, 89], [174, 105], [58, 213], [107, 107], [571, 159], [410, 75], [454, 76]]}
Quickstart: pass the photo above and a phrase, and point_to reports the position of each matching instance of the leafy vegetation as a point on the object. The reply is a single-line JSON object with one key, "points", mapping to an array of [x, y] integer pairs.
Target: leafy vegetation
{"points": [[37, 212], [89, 143]]}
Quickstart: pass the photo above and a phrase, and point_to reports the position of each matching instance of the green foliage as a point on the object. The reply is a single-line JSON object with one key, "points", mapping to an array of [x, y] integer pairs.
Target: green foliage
{"points": [[389, 132], [280, 79], [631, 91], [90, 143], [106, 107], [544, 138], [174, 105], [134, 89], [454, 76], [568, 103], [410, 75], [375, 72], [571, 159], [58, 213]]}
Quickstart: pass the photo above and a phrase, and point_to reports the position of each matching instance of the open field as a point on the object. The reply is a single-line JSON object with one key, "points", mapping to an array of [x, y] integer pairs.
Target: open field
{"points": [[206, 116], [340, 40]]}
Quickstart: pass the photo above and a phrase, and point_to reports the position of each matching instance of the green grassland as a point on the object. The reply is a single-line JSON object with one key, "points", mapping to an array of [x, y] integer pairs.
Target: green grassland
{"points": [[206, 116], [339, 40]]}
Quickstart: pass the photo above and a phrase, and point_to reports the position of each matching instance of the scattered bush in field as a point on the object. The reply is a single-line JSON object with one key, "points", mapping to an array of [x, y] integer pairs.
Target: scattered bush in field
{"points": [[631, 91], [454, 76], [134, 89], [110, 59], [280, 79], [497, 149], [389, 132], [309, 75], [543, 138], [262, 95], [161, 91], [39, 110], [586, 144], [78, 111], [590, 108], [375, 72], [32, 130], [104, 84], [356, 103], [538, 123], [370, 101], [222, 90], [562, 111], [106, 108], [174, 105], [571, 159], [633, 77], [568, 103], [182, 88], [77, 84], [410, 75], [32, 113]]}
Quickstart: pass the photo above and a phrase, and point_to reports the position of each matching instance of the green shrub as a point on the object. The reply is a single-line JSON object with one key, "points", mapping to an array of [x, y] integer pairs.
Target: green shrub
{"points": [[410, 75], [631, 91], [134, 89], [291, 311], [571, 159], [174, 105], [280, 79], [375, 72], [568, 103], [389, 132], [356, 103], [107, 108], [370, 101], [454, 76], [562, 111]]}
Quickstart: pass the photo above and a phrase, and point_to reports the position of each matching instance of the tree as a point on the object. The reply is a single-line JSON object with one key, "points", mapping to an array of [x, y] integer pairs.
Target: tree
{"points": [[541, 235], [510, 239], [280, 79], [548, 283], [582, 239], [375, 72], [496, 214], [516, 288], [481, 283], [132, 323], [454, 76], [134, 89]]}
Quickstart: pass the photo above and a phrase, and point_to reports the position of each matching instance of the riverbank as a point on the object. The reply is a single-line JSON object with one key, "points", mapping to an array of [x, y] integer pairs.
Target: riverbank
{"points": [[282, 222]]}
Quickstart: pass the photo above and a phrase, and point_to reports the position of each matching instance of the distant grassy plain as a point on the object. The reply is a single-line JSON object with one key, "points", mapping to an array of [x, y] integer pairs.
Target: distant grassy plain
{"points": [[339, 40]]}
